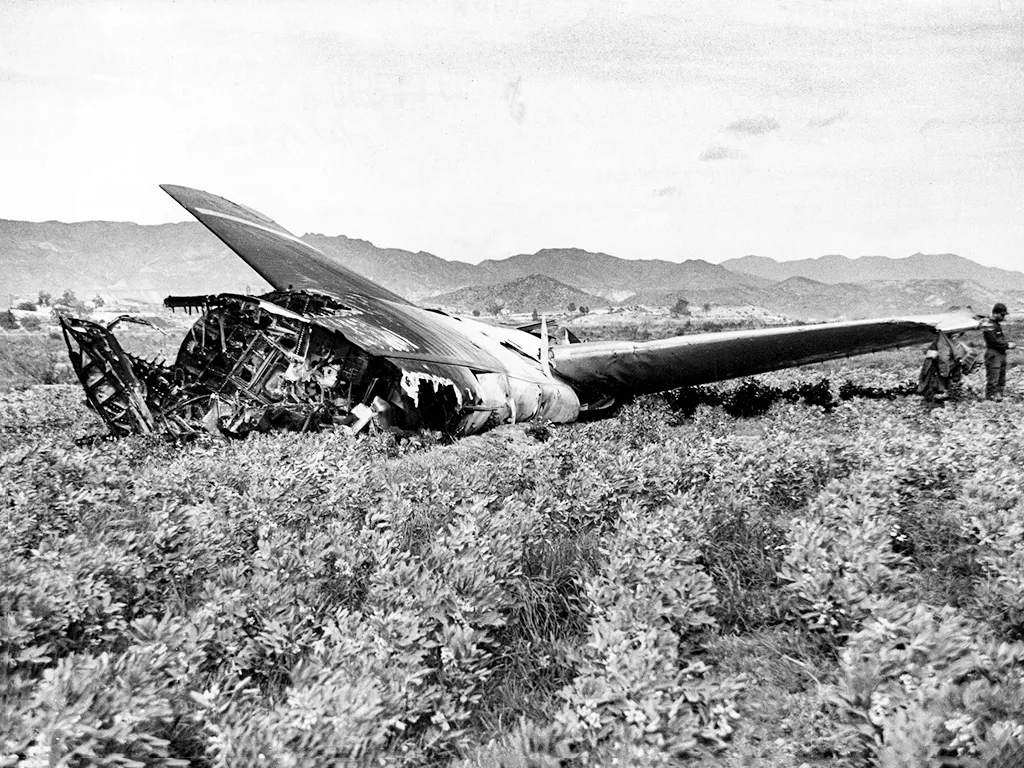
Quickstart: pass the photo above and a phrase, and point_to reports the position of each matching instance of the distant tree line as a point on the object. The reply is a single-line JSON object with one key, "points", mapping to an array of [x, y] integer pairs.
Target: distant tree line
{"points": [[11, 322], [681, 308], [67, 303]]}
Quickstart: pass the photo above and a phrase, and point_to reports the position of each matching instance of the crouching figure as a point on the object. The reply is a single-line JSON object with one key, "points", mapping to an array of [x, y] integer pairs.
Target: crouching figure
{"points": [[946, 361]]}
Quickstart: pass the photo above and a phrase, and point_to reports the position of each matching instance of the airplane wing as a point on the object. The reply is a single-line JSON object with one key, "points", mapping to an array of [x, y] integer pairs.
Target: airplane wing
{"points": [[282, 259], [378, 320], [619, 368]]}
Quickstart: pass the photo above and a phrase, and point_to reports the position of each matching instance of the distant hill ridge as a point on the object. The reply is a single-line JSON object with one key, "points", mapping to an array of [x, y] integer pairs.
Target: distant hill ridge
{"points": [[519, 295], [148, 262], [841, 269]]}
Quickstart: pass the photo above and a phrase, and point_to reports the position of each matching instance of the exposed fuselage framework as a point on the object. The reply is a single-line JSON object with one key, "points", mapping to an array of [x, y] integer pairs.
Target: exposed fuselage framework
{"points": [[277, 362]]}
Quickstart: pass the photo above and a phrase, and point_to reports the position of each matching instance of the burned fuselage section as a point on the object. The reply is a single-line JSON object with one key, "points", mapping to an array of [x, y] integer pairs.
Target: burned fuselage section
{"points": [[259, 365], [277, 362], [248, 364]]}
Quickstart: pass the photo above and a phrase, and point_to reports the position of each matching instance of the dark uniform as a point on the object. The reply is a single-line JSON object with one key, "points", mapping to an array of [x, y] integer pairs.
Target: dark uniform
{"points": [[945, 363], [995, 354]]}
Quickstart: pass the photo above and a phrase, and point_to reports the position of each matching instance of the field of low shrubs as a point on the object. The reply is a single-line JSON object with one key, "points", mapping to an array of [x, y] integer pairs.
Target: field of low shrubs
{"points": [[812, 567], [41, 356]]}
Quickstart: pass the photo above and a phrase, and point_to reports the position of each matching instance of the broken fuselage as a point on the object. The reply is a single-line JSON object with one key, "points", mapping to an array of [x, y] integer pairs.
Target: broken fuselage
{"points": [[284, 361]]}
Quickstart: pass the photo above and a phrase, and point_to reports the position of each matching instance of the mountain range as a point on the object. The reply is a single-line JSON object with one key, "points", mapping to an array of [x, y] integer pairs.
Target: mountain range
{"points": [[840, 269], [533, 293], [122, 260]]}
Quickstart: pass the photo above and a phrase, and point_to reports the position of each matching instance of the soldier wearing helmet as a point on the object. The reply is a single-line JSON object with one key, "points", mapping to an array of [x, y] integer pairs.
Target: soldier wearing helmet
{"points": [[995, 353]]}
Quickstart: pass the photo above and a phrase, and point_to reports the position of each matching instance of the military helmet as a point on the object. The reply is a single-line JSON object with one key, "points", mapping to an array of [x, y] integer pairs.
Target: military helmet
{"points": [[999, 309]]}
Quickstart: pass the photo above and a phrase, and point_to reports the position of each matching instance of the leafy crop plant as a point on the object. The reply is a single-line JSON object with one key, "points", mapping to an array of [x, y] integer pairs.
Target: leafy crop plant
{"points": [[832, 586]]}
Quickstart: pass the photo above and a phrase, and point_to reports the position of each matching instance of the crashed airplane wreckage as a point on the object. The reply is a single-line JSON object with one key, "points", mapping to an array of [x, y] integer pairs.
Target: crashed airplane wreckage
{"points": [[329, 347], [286, 360]]}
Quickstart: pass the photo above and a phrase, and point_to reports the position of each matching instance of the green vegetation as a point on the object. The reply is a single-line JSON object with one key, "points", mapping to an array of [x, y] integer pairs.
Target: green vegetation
{"points": [[27, 359], [647, 327], [70, 304], [835, 579], [31, 323]]}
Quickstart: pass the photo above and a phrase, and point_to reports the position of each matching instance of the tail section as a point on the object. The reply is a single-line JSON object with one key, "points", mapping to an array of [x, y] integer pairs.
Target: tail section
{"points": [[111, 387]]}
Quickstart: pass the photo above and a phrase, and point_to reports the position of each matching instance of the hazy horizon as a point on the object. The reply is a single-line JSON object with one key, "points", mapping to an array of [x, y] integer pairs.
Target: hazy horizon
{"points": [[193, 222], [519, 253], [477, 130]]}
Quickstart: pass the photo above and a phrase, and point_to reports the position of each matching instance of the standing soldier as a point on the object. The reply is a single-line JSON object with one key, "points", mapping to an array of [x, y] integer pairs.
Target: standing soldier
{"points": [[995, 354]]}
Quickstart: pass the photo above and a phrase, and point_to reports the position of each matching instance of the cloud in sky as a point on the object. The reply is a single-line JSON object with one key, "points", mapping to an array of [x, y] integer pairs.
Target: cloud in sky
{"points": [[514, 99], [825, 122], [754, 126], [718, 152], [1007, 120], [477, 129]]}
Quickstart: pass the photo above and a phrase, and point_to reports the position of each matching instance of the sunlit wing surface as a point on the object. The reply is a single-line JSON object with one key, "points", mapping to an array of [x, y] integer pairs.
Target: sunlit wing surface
{"points": [[282, 259], [619, 368]]}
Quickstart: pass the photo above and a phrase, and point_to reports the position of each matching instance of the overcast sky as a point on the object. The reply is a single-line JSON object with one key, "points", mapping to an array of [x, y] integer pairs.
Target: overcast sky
{"points": [[476, 129]]}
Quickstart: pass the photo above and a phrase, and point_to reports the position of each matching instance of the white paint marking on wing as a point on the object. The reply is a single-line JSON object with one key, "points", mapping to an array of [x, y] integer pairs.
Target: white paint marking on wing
{"points": [[254, 225], [365, 332]]}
